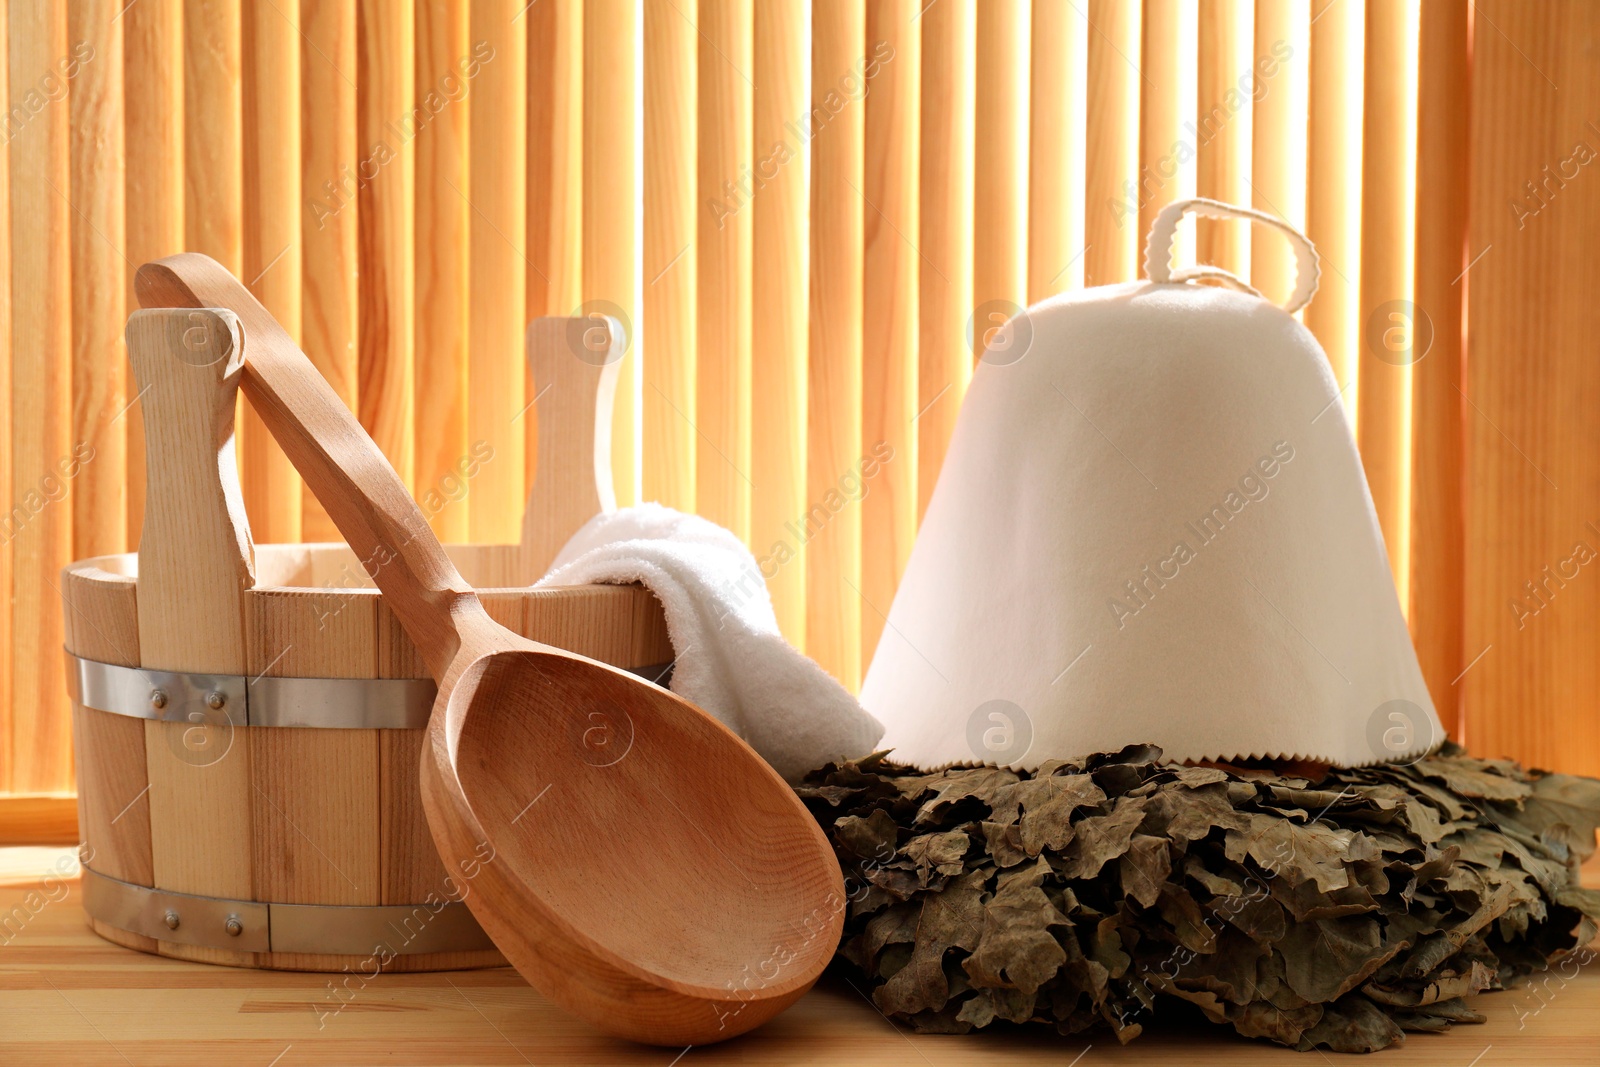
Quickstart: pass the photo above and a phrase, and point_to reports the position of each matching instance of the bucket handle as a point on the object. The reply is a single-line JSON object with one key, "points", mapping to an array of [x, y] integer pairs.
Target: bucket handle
{"points": [[1158, 250]]}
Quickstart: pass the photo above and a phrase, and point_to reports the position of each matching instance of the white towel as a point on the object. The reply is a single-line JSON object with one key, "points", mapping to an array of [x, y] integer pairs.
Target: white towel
{"points": [[731, 659]]}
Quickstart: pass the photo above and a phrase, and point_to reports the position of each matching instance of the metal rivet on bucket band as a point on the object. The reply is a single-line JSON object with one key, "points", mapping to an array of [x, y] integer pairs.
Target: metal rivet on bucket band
{"points": [[247, 926], [325, 703]]}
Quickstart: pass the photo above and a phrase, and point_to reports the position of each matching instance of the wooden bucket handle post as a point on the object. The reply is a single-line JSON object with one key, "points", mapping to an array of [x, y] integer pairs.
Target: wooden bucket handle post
{"points": [[196, 563], [196, 558], [575, 363]]}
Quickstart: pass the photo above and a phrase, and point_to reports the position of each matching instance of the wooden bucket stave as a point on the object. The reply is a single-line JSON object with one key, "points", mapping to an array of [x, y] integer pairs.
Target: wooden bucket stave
{"points": [[210, 837]]}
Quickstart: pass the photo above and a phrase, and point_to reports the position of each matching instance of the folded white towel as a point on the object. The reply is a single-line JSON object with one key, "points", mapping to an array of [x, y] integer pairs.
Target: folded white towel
{"points": [[731, 659]]}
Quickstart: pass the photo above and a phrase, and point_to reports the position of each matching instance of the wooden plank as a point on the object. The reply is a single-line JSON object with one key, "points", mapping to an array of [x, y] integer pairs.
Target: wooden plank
{"points": [[724, 248], [1278, 138], [74, 1001], [1436, 462], [1533, 443], [778, 297], [7, 484], [272, 247], [1333, 182], [497, 317], [891, 268], [1386, 308], [944, 290], [213, 132], [194, 568], [555, 175], [386, 128], [1057, 119], [612, 55], [443, 259], [102, 624], [314, 794], [671, 214], [152, 46], [328, 225], [38, 528], [1166, 105], [832, 523], [1111, 207], [1222, 124], [38, 819], [1000, 252], [99, 282]]}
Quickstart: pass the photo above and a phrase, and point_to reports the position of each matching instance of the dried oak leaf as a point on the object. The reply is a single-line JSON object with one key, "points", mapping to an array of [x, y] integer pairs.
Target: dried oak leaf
{"points": [[1099, 839], [937, 852], [1326, 958], [1047, 805], [951, 918], [1017, 949]]}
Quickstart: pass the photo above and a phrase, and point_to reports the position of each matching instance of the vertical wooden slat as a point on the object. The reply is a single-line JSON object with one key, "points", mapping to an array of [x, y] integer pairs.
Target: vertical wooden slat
{"points": [[1387, 315], [1000, 227], [99, 282], [612, 56], [386, 130], [889, 303], [1333, 181], [1278, 138], [832, 522], [1436, 498], [1533, 443], [944, 289], [555, 175], [724, 248], [328, 227], [7, 378], [668, 401], [499, 198], [213, 132], [443, 222], [38, 526], [272, 248], [1058, 72], [152, 45], [1222, 125], [1111, 198], [1166, 116], [778, 388]]}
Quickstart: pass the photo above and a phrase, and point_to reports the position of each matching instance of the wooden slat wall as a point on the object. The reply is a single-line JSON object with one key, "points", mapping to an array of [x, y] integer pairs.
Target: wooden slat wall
{"points": [[889, 302], [38, 529], [832, 522], [798, 208], [1436, 491], [1533, 444], [779, 305], [944, 289], [671, 48], [271, 248]]}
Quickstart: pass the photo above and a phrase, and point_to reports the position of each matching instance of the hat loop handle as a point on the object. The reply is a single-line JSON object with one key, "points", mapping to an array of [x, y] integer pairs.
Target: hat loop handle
{"points": [[1158, 250]]}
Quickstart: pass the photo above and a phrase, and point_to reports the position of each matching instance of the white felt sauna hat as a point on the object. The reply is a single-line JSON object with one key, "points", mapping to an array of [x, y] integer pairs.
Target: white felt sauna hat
{"points": [[1152, 525]]}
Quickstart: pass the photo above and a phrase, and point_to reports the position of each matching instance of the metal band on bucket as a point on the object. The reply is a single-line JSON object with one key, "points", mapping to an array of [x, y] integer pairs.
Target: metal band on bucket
{"points": [[324, 703], [250, 926]]}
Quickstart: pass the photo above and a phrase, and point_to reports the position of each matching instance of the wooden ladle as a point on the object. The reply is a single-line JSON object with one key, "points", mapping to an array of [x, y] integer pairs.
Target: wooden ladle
{"points": [[633, 858]]}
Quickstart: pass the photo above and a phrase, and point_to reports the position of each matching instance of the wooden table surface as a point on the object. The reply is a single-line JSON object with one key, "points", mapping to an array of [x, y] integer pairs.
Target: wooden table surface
{"points": [[67, 997]]}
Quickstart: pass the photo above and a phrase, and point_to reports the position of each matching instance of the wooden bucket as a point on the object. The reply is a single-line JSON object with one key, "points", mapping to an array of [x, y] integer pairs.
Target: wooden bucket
{"points": [[248, 719]]}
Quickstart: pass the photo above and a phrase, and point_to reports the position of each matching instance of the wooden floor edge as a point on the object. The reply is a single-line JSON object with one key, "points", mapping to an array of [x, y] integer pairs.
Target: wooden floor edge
{"points": [[38, 819]]}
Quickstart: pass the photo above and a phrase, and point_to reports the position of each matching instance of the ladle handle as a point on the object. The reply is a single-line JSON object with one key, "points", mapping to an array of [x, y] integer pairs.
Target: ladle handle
{"points": [[342, 464]]}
